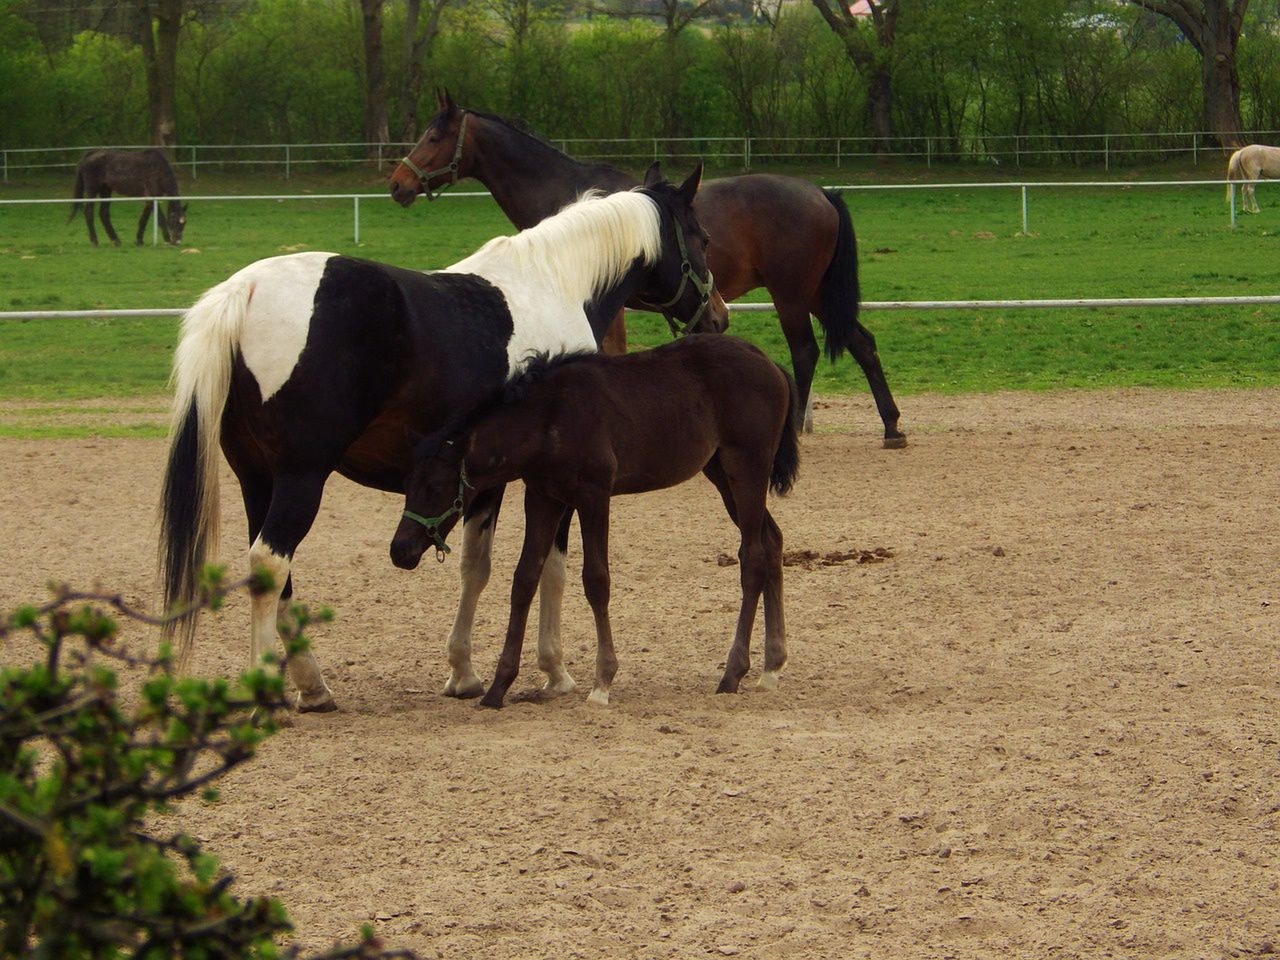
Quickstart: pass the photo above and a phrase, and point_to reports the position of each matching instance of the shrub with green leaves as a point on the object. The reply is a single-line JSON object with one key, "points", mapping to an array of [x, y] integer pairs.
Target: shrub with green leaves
{"points": [[83, 764]]}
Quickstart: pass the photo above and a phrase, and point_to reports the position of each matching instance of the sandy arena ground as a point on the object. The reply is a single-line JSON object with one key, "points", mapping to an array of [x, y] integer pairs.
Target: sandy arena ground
{"points": [[1048, 725]]}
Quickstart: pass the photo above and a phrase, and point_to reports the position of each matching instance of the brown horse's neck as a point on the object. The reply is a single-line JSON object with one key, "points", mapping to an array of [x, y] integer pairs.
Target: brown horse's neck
{"points": [[530, 180]]}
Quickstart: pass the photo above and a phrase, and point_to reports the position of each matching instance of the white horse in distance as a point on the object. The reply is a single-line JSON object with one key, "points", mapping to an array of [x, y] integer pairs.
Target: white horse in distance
{"points": [[1249, 164]]}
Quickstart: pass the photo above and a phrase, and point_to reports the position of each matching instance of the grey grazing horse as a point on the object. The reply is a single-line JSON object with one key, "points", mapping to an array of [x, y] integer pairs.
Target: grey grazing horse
{"points": [[133, 173]]}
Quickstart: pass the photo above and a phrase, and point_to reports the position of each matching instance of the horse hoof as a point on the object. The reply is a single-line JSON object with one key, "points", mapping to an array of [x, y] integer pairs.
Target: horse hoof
{"points": [[768, 680], [465, 688], [895, 443], [599, 697], [727, 685], [490, 703], [325, 705], [559, 686]]}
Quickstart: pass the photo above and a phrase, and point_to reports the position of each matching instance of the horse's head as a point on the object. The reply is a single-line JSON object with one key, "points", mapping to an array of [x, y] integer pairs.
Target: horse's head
{"points": [[434, 492], [437, 160], [682, 285], [176, 219]]}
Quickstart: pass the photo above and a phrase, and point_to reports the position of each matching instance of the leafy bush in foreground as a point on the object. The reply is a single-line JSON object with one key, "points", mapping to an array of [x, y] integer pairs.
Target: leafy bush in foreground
{"points": [[81, 766]]}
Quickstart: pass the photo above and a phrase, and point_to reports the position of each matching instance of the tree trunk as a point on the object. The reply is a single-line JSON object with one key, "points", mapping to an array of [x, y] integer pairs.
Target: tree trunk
{"points": [[870, 50], [880, 108], [159, 24], [1213, 28], [417, 49], [375, 80]]}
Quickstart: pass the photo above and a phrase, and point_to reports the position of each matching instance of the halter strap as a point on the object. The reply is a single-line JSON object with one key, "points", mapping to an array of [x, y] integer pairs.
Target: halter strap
{"points": [[433, 524], [687, 276], [452, 169]]}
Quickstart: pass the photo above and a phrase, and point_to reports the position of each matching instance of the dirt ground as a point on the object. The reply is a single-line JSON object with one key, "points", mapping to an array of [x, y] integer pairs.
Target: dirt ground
{"points": [[1047, 724]]}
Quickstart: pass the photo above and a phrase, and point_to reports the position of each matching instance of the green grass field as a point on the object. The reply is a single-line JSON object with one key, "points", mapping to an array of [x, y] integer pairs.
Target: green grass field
{"points": [[939, 244]]}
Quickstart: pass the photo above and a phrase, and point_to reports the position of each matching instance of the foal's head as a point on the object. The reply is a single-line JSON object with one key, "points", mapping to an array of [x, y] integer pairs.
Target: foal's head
{"points": [[437, 159], [683, 285], [434, 492]]}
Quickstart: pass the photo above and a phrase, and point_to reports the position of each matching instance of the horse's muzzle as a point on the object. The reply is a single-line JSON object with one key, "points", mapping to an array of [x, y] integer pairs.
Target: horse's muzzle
{"points": [[402, 194]]}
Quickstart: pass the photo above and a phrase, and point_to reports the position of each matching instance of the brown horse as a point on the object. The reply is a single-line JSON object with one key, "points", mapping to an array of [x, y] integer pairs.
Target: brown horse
{"points": [[133, 173], [581, 429], [778, 232]]}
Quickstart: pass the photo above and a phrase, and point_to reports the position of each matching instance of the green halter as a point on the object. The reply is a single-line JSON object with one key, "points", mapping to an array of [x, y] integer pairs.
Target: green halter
{"points": [[452, 169], [433, 524], [687, 276]]}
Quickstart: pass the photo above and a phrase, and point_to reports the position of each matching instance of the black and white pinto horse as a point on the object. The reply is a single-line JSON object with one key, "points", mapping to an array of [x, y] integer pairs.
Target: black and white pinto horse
{"points": [[302, 365]]}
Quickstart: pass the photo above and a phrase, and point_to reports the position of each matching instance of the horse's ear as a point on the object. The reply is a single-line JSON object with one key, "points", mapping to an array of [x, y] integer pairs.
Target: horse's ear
{"points": [[440, 99], [653, 176], [448, 104], [689, 189]]}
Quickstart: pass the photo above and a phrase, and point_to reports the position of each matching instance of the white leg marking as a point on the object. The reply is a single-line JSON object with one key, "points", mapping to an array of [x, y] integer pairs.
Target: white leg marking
{"points": [[477, 545], [808, 412], [550, 600], [304, 671]]}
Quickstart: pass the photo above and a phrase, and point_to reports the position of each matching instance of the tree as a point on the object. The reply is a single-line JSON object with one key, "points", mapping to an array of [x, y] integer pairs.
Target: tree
{"points": [[375, 78], [417, 48], [1213, 28], [871, 50], [159, 24]]}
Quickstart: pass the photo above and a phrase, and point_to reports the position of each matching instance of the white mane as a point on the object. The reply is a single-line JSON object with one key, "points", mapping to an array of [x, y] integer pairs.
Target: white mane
{"points": [[583, 250]]}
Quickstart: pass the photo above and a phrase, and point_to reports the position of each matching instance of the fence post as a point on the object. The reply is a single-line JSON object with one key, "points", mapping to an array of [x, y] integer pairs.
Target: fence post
{"points": [[1017, 152], [6, 166], [379, 156], [155, 223], [1024, 210], [1195, 137], [286, 161], [655, 149], [837, 151], [928, 153], [357, 219], [1106, 151], [1231, 188], [194, 174], [746, 153]]}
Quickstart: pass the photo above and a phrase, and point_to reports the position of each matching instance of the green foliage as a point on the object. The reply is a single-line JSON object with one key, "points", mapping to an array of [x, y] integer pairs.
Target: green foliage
{"points": [[289, 71], [82, 765]]}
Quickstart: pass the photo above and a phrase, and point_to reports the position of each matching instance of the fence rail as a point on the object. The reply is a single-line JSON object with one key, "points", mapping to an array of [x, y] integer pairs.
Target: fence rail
{"points": [[1023, 188], [898, 305], [1029, 149]]}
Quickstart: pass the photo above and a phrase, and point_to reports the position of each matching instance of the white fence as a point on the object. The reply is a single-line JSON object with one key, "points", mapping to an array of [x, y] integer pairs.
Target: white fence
{"points": [[1107, 149], [901, 305], [1023, 189]]}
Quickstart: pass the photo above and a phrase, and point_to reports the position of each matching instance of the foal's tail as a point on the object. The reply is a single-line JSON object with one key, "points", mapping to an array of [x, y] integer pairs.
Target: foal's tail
{"points": [[201, 377], [786, 460], [839, 288], [75, 207], [1233, 171]]}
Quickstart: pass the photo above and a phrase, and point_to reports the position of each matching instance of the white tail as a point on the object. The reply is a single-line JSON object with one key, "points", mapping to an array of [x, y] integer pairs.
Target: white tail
{"points": [[1233, 171]]}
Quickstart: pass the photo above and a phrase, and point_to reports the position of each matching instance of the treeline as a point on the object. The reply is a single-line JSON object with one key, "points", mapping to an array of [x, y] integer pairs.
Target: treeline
{"points": [[295, 70]]}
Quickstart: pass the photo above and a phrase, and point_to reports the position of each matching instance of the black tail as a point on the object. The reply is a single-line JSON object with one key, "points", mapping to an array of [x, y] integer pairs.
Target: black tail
{"points": [[75, 207], [840, 294], [183, 532], [786, 460]]}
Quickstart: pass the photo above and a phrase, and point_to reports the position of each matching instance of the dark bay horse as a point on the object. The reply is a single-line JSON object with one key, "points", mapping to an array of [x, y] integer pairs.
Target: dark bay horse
{"points": [[579, 430], [781, 233], [299, 366], [132, 173]]}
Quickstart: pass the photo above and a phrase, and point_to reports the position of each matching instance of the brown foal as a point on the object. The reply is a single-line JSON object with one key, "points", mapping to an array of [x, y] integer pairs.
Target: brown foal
{"points": [[581, 429]]}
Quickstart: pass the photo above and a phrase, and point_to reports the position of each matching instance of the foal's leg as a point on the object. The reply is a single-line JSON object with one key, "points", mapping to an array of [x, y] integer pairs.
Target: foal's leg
{"points": [[477, 548], [295, 500], [595, 583], [104, 212], [747, 477], [775, 631], [550, 600], [541, 517]]}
